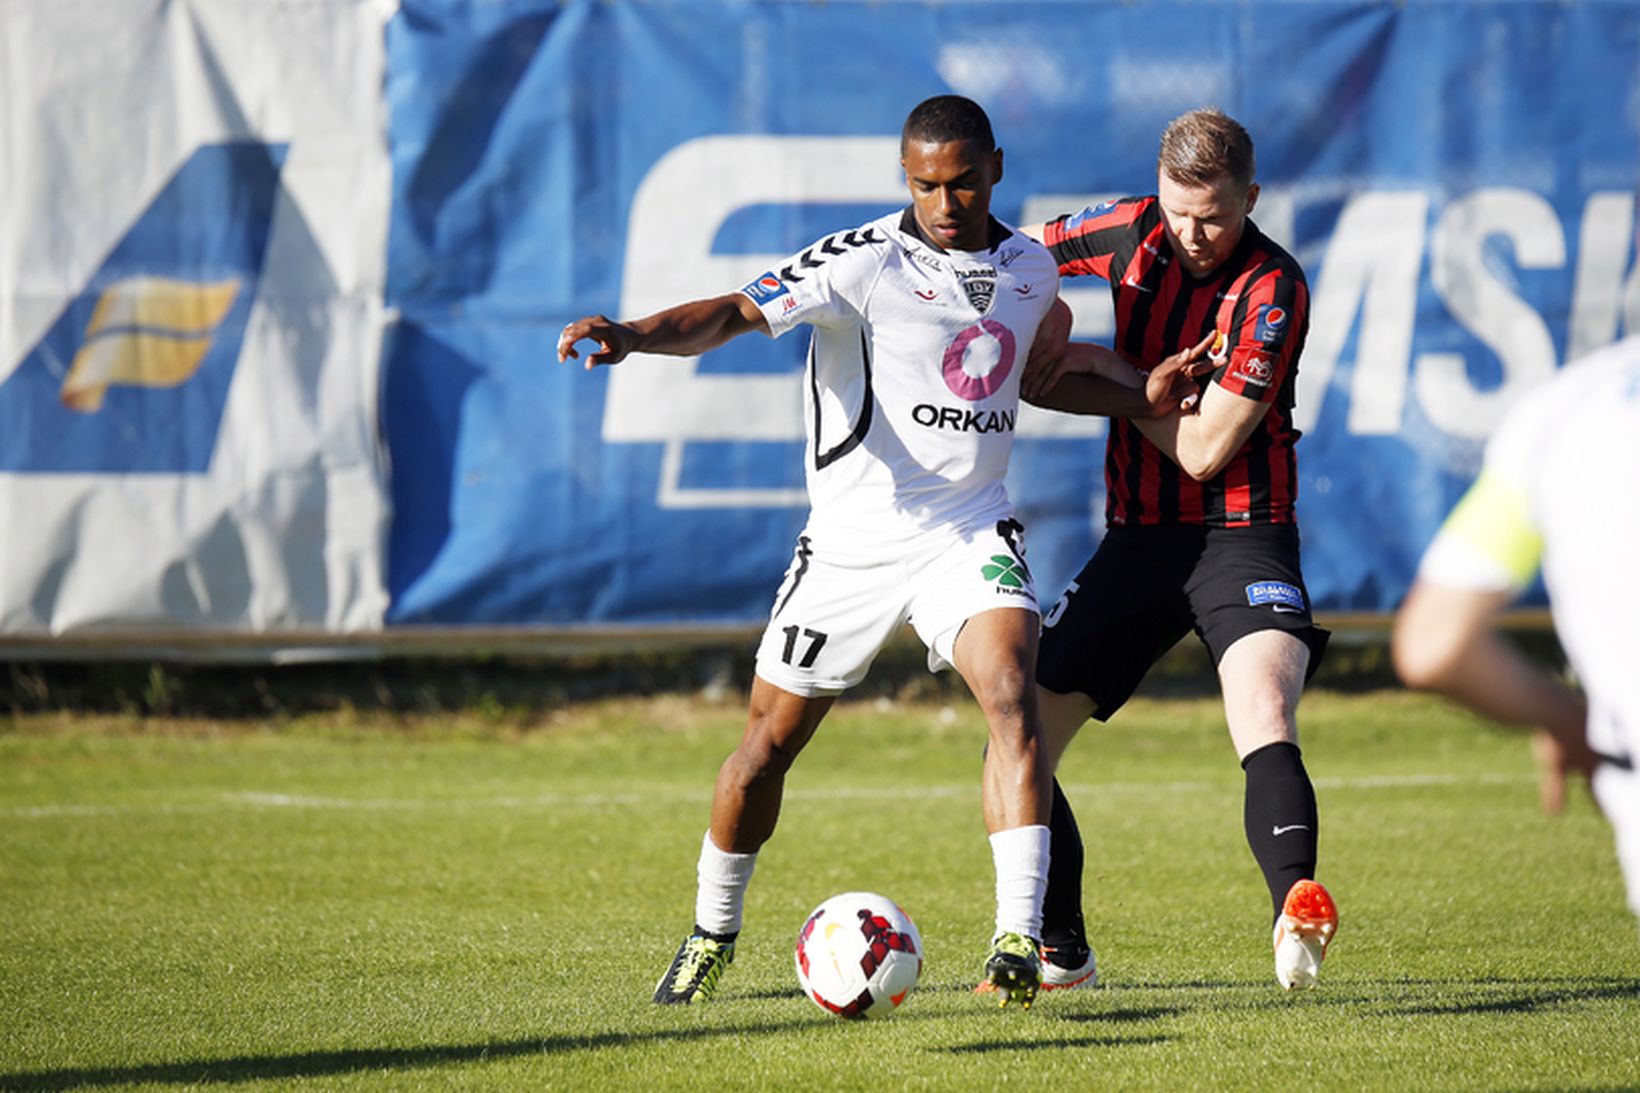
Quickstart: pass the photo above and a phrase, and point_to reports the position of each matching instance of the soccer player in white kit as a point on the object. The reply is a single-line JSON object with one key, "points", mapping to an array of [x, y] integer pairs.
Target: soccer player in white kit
{"points": [[922, 324], [1560, 489]]}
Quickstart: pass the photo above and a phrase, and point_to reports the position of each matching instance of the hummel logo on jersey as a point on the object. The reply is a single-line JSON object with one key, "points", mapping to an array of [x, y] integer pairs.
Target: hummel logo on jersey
{"points": [[980, 285], [831, 245], [133, 375], [1274, 830], [1005, 571]]}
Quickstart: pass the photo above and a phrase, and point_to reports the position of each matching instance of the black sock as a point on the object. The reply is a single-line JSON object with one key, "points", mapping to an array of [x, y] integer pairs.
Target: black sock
{"points": [[1062, 904], [1280, 817]]}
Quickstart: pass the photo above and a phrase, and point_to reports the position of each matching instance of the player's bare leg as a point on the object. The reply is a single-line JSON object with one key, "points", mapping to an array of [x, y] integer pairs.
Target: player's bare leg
{"points": [[1262, 676], [752, 781], [745, 809], [996, 655]]}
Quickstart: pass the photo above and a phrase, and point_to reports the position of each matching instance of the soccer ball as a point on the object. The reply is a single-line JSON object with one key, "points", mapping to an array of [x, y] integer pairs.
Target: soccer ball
{"points": [[858, 955]]}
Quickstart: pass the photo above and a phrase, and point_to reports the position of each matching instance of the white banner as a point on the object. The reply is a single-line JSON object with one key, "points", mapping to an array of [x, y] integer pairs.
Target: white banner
{"points": [[193, 209]]}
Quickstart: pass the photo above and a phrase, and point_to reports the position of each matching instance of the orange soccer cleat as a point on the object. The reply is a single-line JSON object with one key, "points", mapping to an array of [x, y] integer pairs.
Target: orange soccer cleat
{"points": [[1307, 925]]}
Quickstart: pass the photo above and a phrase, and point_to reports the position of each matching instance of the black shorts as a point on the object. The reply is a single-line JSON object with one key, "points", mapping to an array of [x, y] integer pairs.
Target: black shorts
{"points": [[1146, 587]]}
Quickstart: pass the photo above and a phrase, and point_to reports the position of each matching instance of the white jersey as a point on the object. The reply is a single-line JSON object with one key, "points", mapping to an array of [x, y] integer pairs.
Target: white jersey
{"points": [[1561, 487], [912, 384]]}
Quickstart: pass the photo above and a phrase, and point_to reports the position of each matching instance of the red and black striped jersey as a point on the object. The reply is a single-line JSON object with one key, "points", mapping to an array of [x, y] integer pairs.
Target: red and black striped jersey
{"points": [[1257, 298]]}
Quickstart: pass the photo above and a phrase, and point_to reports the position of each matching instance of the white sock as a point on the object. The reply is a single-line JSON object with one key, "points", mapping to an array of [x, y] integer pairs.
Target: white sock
{"points": [[1021, 856], [720, 891]]}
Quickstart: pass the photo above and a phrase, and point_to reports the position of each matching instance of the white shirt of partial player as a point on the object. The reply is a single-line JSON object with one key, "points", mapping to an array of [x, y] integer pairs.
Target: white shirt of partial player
{"points": [[1572, 450], [946, 334]]}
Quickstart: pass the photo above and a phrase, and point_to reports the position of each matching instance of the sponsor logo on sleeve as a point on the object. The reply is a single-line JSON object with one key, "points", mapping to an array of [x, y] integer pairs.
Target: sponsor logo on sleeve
{"points": [[1088, 214], [1280, 595], [766, 288], [1254, 369], [1271, 325]]}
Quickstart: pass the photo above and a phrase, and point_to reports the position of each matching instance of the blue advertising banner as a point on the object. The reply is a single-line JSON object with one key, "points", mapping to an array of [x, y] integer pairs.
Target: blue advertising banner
{"points": [[1458, 181], [191, 312]]}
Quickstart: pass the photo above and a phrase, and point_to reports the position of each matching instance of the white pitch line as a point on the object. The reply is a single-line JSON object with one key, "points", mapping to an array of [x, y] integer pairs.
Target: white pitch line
{"points": [[622, 800]]}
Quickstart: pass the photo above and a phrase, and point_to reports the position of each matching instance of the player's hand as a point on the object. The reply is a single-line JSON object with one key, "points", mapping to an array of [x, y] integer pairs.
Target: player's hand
{"points": [[1556, 758], [1172, 383], [615, 340], [1047, 361]]}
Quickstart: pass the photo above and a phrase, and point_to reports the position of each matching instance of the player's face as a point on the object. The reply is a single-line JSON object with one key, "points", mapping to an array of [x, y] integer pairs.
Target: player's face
{"points": [[951, 191], [1204, 223]]}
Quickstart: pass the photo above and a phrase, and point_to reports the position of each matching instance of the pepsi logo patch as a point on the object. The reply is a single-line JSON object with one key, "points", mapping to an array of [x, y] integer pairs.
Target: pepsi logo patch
{"points": [[1271, 325], [766, 288]]}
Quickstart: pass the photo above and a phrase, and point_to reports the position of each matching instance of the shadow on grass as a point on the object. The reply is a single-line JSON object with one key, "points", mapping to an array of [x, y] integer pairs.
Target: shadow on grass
{"points": [[1056, 1045], [318, 1064], [1394, 997], [1127, 1016], [1518, 997]]}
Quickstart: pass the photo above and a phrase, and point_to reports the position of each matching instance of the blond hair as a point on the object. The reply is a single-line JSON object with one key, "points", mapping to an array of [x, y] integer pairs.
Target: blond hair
{"points": [[1203, 146]]}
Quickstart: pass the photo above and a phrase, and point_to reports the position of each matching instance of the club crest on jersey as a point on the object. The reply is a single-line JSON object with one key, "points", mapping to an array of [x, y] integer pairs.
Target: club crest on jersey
{"points": [[1271, 324], [980, 285], [765, 288]]}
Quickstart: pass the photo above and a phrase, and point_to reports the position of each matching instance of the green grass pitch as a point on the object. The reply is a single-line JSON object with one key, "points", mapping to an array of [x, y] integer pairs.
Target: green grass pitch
{"points": [[486, 903]]}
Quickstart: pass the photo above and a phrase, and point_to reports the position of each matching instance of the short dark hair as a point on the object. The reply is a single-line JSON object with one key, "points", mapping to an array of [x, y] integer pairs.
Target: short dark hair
{"points": [[945, 119], [1205, 145]]}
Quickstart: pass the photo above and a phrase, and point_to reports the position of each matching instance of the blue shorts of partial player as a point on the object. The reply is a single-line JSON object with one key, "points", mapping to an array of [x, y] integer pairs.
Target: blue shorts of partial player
{"points": [[843, 599]]}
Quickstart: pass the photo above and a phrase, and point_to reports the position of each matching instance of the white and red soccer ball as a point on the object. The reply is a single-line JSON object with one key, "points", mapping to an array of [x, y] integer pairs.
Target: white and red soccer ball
{"points": [[858, 955]]}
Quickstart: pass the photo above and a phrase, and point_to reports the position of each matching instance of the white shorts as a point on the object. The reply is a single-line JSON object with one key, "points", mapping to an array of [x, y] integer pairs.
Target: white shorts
{"points": [[839, 604]]}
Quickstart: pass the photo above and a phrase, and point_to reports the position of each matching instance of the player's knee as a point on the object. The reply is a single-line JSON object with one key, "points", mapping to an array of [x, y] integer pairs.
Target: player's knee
{"points": [[1007, 694], [1264, 714], [760, 758]]}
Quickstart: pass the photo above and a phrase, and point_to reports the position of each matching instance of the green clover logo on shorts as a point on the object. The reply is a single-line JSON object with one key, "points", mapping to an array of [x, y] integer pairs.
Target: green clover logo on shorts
{"points": [[1006, 571]]}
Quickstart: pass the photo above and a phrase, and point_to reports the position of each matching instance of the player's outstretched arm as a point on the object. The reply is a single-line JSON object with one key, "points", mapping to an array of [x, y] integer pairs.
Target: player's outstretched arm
{"points": [[1085, 378], [1092, 379], [686, 330], [1445, 641]]}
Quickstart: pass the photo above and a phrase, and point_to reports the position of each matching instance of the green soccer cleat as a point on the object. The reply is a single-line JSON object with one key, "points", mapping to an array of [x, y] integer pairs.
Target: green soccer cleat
{"points": [[1014, 968], [695, 971]]}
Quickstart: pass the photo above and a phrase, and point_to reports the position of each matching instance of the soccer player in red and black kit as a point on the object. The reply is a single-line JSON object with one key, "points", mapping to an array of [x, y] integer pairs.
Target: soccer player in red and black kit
{"points": [[1201, 530]]}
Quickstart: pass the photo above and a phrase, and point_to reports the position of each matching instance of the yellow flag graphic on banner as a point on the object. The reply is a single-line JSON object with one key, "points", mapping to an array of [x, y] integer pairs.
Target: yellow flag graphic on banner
{"points": [[146, 332]]}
